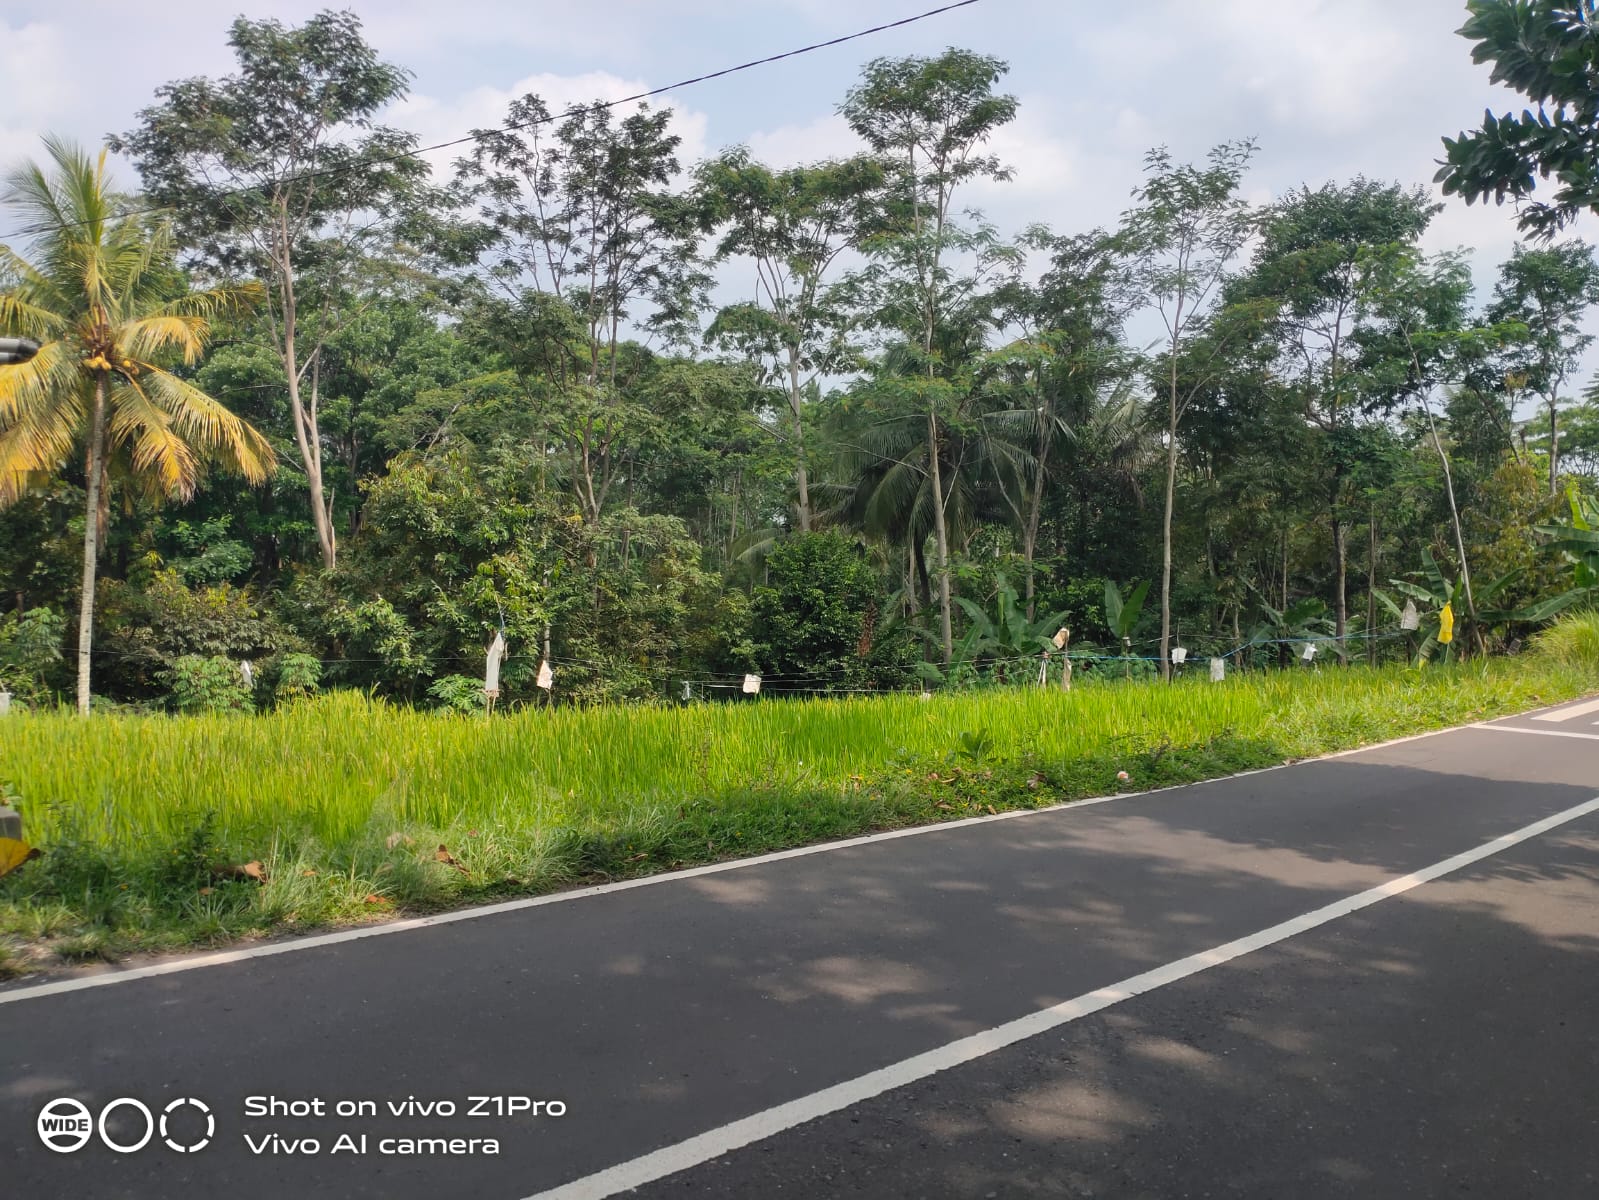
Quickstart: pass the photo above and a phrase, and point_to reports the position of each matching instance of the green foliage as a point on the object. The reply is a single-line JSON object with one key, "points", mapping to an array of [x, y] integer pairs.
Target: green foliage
{"points": [[30, 653], [1572, 641], [215, 684], [209, 556], [294, 677], [1122, 615], [822, 620], [458, 693], [144, 631], [1544, 49]]}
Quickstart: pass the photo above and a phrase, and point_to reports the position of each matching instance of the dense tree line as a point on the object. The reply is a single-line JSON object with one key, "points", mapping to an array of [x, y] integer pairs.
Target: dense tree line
{"points": [[328, 413]]}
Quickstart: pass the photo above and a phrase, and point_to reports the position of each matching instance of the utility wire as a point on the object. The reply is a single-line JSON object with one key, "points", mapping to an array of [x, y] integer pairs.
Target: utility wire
{"points": [[576, 110]]}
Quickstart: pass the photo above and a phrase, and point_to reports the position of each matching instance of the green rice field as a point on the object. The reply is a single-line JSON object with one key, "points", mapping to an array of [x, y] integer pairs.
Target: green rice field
{"points": [[152, 827]]}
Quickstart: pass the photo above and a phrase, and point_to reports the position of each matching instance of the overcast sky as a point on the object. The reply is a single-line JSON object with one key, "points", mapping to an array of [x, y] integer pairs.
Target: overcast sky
{"points": [[1331, 88]]}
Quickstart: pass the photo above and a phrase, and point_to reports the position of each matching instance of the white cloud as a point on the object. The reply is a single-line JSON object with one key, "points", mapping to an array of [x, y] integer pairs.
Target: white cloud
{"points": [[810, 142]]}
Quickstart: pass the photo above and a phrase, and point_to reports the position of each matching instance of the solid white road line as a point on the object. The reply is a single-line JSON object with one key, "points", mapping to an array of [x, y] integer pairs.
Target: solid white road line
{"points": [[716, 1142], [195, 962], [1565, 733], [1570, 712]]}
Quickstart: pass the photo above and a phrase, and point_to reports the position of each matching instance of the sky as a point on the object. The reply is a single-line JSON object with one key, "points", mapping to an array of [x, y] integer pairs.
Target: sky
{"points": [[1330, 88]]}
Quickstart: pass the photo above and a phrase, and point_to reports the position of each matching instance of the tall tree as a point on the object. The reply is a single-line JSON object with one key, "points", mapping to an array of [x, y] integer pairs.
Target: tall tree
{"points": [[1308, 269], [278, 171], [929, 119], [1188, 226], [1549, 290], [577, 210], [793, 225], [1416, 339], [1548, 50], [102, 296], [1069, 361]]}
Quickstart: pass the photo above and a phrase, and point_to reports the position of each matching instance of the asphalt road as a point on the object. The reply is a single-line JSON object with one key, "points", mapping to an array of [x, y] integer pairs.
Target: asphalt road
{"points": [[1023, 1007]]}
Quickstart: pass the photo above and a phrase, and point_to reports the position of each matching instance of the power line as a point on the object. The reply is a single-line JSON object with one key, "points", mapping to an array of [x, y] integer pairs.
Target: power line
{"points": [[576, 110]]}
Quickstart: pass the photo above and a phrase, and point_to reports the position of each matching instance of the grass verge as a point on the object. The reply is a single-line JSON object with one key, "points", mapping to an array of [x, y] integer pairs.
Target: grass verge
{"points": [[164, 832]]}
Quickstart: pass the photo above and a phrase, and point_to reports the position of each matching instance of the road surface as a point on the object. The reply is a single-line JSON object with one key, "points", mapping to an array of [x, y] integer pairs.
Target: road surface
{"points": [[1371, 975]]}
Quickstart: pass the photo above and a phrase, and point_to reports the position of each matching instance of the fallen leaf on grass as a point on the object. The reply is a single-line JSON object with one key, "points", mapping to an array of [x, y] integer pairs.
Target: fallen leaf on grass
{"points": [[250, 870], [374, 898], [206, 891], [945, 807], [394, 839], [307, 872], [636, 857], [992, 810], [443, 855]]}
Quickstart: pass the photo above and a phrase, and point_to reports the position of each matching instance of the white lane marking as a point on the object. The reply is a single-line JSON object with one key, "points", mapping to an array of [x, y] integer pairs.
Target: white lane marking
{"points": [[706, 1146], [1570, 712], [222, 958], [1565, 733]]}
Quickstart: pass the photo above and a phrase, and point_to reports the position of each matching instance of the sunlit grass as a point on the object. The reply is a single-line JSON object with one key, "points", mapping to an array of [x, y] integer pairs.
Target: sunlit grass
{"points": [[347, 801]]}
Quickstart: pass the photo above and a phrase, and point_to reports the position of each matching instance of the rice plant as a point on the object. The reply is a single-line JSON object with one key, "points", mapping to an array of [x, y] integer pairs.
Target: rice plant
{"points": [[356, 808]]}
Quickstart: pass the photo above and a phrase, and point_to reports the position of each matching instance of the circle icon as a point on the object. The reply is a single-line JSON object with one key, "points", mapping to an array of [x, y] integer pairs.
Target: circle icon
{"points": [[149, 1125], [210, 1125], [65, 1125]]}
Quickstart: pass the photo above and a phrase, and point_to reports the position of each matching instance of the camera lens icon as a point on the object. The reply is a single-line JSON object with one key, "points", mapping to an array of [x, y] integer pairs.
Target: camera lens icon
{"points": [[65, 1125], [190, 1147]]}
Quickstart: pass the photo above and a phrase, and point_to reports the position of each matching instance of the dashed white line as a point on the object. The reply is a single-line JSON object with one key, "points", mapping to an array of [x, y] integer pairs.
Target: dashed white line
{"points": [[1569, 712], [1565, 733]]}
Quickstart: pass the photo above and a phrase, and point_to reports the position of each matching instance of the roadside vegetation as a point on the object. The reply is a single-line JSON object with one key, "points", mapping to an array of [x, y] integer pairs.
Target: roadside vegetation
{"points": [[176, 831]]}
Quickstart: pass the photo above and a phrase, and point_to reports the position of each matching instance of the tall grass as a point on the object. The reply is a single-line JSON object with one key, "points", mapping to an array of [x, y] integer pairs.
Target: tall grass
{"points": [[347, 801]]}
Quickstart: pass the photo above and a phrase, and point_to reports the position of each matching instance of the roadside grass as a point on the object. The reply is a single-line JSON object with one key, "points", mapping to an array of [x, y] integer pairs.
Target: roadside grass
{"points": [[355, 810]]}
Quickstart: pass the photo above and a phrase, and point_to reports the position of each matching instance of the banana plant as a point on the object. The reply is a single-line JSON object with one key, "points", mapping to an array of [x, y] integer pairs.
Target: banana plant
{"points": [[996, 639], [1302, 621], [1121, 616], [1435, 590], [1578, 540]]}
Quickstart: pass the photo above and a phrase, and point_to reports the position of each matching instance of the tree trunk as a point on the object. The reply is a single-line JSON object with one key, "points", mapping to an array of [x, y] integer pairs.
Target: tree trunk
{"points": [[1460, 537], [1166, 534], [91, 540], [801, 475], [1340, 534], [1371, 593], [940, 540], [1554, 449], [307, 436]]}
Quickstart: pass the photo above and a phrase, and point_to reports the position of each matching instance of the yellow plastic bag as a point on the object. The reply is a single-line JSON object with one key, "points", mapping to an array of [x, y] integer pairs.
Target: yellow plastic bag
{"points": [[1446, 625], [14, 853]]}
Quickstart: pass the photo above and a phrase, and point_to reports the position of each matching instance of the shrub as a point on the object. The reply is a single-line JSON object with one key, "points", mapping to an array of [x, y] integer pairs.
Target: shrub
{"points": [[298, 676], [458, 693], [214, 684], [1572, 641]]}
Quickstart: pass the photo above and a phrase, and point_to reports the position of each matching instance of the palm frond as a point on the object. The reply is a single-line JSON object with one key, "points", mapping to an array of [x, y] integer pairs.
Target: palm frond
{"points": [[52, 372], [37, 443], [209, 425], [155, 448]]}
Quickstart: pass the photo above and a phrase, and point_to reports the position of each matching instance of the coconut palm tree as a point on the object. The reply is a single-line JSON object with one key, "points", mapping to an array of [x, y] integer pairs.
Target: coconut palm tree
{"points": [[100, 294]]}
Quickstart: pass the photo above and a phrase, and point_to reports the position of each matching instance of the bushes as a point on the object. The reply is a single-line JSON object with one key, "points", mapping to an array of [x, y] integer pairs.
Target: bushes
{"points": [[30, 653], [823, 620], [1572, 641], [213, 684]]}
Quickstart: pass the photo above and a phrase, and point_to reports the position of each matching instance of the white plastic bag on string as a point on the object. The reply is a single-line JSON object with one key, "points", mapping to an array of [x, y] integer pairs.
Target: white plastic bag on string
{"points": [[491, 668]]}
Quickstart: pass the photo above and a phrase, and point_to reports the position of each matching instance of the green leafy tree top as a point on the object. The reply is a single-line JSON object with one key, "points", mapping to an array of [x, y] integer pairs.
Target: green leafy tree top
{"points": [[1548, 50]]}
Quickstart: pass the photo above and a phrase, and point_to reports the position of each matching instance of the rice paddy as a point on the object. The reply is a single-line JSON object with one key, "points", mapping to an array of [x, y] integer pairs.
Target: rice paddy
{"points": [[355, 809]]}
